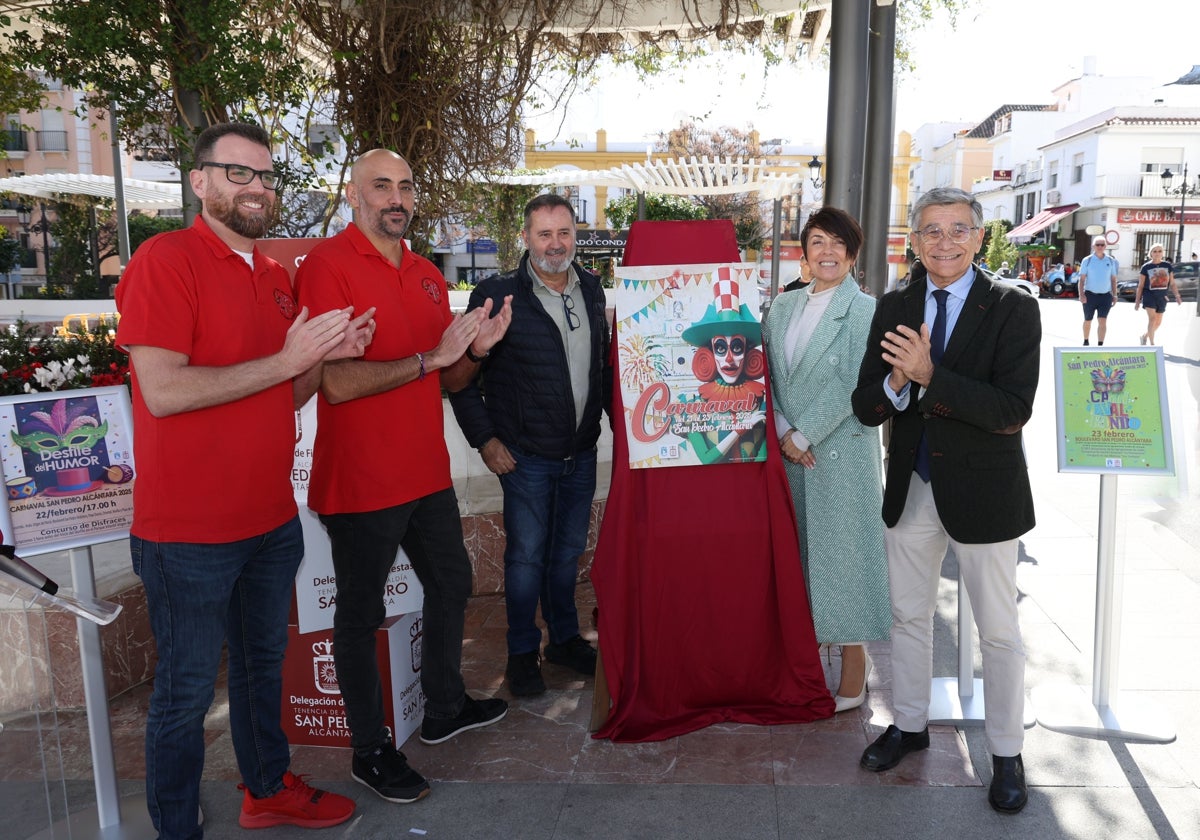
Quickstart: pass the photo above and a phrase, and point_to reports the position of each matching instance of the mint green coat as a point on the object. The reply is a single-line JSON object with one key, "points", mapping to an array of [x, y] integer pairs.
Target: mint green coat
{"points": [[838, 502]]}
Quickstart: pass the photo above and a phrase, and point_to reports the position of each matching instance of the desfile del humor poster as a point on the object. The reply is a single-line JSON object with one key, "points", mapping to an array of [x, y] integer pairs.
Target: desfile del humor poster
{"points": [[692, 369], [67, 459]]}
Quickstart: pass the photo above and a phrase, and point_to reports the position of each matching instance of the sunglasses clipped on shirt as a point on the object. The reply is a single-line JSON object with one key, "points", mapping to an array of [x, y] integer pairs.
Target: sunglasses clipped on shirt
{"points": [[569, 311]]}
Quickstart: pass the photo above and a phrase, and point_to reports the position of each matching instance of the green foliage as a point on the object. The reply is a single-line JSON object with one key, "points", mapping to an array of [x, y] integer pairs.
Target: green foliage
{"points": [[10, 252], [1037, 249], [660, 207], [142, 227], [500, 210], [144, 53], [71, 261], [996, 246]]}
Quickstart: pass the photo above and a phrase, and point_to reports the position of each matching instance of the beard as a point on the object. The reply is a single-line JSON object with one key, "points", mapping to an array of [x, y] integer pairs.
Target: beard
{"points": [[552, 265], [387, 227], [250, 224]]}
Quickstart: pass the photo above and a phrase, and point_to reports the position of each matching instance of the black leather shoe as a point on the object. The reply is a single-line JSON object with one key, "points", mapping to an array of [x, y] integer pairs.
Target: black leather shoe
{"points": [[1007, 793], [892, 746]]}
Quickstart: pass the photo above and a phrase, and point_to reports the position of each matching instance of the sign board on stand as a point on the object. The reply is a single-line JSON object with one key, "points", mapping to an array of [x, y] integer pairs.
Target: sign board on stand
{"points": [[1113, 418], [315, 587]]}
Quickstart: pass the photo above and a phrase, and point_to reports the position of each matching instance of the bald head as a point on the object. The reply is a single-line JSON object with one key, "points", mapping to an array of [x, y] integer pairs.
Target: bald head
{"points": [[382, 195], [375, 157]]}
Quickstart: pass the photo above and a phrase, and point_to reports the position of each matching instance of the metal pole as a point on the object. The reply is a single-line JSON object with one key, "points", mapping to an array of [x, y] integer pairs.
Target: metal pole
{"points": [[108, 800], [776, 236], [118, 187], [846, 130], [1107, 646], [877, 197], [44, 224], [1183, 192]]}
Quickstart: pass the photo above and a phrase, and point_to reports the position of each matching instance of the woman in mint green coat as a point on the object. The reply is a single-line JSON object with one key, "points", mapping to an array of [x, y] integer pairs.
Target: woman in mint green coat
{"points": [[816, 337]]}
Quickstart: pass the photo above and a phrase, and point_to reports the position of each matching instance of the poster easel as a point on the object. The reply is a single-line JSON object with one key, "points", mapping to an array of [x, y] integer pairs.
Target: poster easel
{"points": [[1113, 418]]}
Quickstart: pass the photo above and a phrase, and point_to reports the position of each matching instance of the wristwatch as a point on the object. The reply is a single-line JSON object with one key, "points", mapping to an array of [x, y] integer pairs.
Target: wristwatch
{"points": [[474, 358]]}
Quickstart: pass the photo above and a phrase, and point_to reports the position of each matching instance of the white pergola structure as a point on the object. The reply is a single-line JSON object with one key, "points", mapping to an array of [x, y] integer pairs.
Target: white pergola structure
{"points": [[141, 195], [691, 176]]}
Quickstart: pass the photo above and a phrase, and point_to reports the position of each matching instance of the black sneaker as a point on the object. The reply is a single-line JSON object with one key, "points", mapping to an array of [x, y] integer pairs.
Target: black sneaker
{"points": [[575, 653], [474, 714], [386, 772], [524, 674]]}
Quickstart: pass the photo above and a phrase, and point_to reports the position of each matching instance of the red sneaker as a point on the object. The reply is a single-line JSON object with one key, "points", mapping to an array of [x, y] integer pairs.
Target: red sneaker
{"points": [[297, 804]]}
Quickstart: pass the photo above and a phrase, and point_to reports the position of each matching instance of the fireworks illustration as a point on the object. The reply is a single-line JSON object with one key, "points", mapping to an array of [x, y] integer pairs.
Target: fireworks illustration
{"points": [[645, 363]]}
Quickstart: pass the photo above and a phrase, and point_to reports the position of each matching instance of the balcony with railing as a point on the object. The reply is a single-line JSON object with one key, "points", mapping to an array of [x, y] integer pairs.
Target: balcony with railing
{"points": [[14, 140], [1139, 185], [52, 141]]}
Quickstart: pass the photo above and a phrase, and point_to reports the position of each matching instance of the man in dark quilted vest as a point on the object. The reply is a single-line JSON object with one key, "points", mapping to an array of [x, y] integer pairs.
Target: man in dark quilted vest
{"points": [[534, 415]]}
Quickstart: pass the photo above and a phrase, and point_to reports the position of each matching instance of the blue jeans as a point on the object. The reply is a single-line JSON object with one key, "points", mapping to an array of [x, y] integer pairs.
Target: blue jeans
{"points": [[199, 595], [547, 508], [364, 548]]}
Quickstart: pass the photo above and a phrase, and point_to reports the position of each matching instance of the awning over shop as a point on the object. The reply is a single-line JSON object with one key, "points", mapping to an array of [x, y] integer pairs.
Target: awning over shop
{"points": [[1028, 228], [143, 195]]}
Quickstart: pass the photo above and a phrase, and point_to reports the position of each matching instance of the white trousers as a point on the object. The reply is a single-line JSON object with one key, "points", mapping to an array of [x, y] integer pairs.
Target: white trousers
{"points": [[915, 548]]}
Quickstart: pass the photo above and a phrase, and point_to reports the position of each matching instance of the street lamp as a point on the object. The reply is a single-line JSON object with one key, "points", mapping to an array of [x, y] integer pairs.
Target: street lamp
{"points": [[42, 226], [814, 172], [1183, 191]]}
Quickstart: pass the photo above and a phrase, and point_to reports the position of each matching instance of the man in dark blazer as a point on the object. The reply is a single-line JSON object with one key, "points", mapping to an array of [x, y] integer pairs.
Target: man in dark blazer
{"points": [[958, 385]]}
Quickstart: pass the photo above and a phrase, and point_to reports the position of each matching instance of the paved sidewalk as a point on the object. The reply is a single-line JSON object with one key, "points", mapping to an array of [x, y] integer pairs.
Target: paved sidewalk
{"points": [[539, 776]]}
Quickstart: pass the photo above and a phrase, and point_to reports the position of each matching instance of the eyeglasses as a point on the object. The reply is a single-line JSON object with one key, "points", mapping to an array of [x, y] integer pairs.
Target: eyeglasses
{"points": [[1099, 244], [238, 174], [957, 234], [569, 311]]}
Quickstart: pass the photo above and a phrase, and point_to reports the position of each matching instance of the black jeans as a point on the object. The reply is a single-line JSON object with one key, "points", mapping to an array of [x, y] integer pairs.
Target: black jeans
{"points": [[364, 549]]}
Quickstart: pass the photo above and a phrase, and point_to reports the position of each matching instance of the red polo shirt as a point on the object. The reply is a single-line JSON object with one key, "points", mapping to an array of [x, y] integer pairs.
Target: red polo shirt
{"points": [[221, 473], [387, 449]]}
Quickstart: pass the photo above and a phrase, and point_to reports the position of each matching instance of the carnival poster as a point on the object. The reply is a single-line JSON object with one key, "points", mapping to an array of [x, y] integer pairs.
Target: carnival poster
{"points": [[1112, 411], [692, 369], [67, 461]]}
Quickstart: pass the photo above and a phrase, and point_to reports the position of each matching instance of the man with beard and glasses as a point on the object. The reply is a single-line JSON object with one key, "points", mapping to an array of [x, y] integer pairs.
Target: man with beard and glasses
{"points": [[222, 357], [381, 471], [536, 421]]}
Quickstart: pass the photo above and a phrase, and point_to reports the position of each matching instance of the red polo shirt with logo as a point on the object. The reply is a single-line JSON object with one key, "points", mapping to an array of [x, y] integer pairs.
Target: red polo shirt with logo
{"points": [[390, 448], [221, 473]]}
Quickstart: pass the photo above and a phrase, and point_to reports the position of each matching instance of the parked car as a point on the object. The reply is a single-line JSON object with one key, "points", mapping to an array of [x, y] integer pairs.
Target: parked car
{"points": [[1185, 280], [1021, 283], [1031, 289], [1055, 284]]}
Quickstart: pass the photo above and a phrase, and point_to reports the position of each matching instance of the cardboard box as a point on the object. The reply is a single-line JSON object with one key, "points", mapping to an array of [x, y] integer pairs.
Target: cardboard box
{"points": [[313, 711]]}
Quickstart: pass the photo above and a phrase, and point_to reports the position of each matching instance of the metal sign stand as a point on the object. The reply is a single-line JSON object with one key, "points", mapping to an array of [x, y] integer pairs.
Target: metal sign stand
{"points": [[110, 821], [1109, 712]]}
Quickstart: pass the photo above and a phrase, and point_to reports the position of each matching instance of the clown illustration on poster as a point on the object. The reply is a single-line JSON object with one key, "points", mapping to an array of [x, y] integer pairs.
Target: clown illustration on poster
{"points": [[67, 460], [692, 372]]}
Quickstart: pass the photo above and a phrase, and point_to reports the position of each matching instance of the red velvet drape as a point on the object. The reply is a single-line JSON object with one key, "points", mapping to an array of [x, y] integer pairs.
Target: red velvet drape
{"points": [[703, 610]]}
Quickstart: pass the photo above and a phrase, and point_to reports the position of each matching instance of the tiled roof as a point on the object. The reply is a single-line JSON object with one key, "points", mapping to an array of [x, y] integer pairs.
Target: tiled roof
{"points": [[988, 127]]}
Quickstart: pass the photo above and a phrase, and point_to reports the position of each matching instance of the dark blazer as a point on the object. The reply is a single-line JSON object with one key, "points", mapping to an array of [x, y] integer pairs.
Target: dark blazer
{"points": [[972, 412]]}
